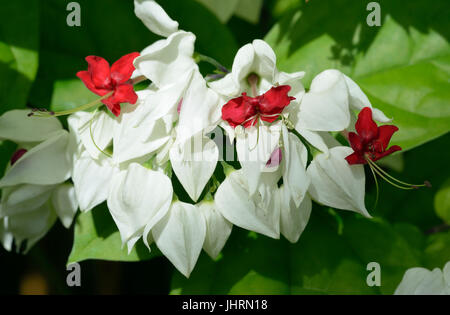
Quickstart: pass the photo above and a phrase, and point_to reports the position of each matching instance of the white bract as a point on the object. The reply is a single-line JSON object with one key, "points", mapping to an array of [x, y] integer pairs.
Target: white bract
{"points": [[92, 169], [34, 194], [328, 106], [270, 209], [138, 199], [421, 281], [256, 58], [337, 184]]}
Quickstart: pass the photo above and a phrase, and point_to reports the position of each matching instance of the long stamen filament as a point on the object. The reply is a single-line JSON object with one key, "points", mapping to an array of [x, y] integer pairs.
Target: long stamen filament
{"points": [[257, 133], [92, 136], [376, 185], [252, 119], [393, 178], [97, 103], [390, 182]]}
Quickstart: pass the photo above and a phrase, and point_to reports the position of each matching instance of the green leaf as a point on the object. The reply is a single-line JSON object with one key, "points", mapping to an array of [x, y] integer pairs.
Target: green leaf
{"points": [[63, 95], [403, 66], [19, 42], [322, 262], [224, 10], [97, 237], [442, 202], [213, 38], [249, 10]]}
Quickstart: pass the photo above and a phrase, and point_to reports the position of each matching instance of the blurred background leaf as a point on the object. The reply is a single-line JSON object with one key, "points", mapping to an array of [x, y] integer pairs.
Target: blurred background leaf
{"points": [[442, 201], [19, 45], [403, 66]]}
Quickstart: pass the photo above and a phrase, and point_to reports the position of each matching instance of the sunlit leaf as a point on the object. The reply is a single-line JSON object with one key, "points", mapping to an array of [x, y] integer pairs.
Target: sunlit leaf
{"points": [[97, 237]]}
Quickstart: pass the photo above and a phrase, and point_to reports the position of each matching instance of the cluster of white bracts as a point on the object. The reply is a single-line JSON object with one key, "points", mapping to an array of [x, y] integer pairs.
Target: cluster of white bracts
{"points": [[33, 190], [421, 281], [152, 139]]}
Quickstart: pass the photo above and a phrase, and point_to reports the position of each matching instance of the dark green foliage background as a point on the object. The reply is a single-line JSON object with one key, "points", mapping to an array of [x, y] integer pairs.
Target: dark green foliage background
{"points": [[403, 66]]}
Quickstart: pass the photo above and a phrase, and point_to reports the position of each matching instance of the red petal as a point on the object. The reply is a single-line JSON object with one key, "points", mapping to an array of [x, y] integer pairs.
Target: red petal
{"points": [[274, 101], [125, 93], [355, 158], [269, 119], [365, 126], [99, 70], [122, 94], [123, 68], [385, 134], [377, 155], [113, 106], [239, 111], [115, 109], [87, 80], [355, 142]]}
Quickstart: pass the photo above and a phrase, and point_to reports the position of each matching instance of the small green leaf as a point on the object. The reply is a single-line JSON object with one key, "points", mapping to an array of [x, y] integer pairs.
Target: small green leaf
{"points": [[97, 237], [442, 202], [63, 92]]}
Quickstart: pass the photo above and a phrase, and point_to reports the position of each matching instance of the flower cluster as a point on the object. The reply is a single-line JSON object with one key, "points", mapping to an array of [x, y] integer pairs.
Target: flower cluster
{"points": [[129, 153]]}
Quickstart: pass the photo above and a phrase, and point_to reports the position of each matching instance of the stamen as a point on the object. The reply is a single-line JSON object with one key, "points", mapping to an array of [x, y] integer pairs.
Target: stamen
{"points": [[257, 133], [249, 119], [376, 185], [92, 136], [392, 183], [425, 184], [270, 116], [45, 113]]}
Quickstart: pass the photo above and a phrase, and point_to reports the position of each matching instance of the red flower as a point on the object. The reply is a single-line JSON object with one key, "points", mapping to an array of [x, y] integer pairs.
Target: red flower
{"points": [[273, 102], [245, 110], [101, 79], [240, 110], [370, 141]]}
